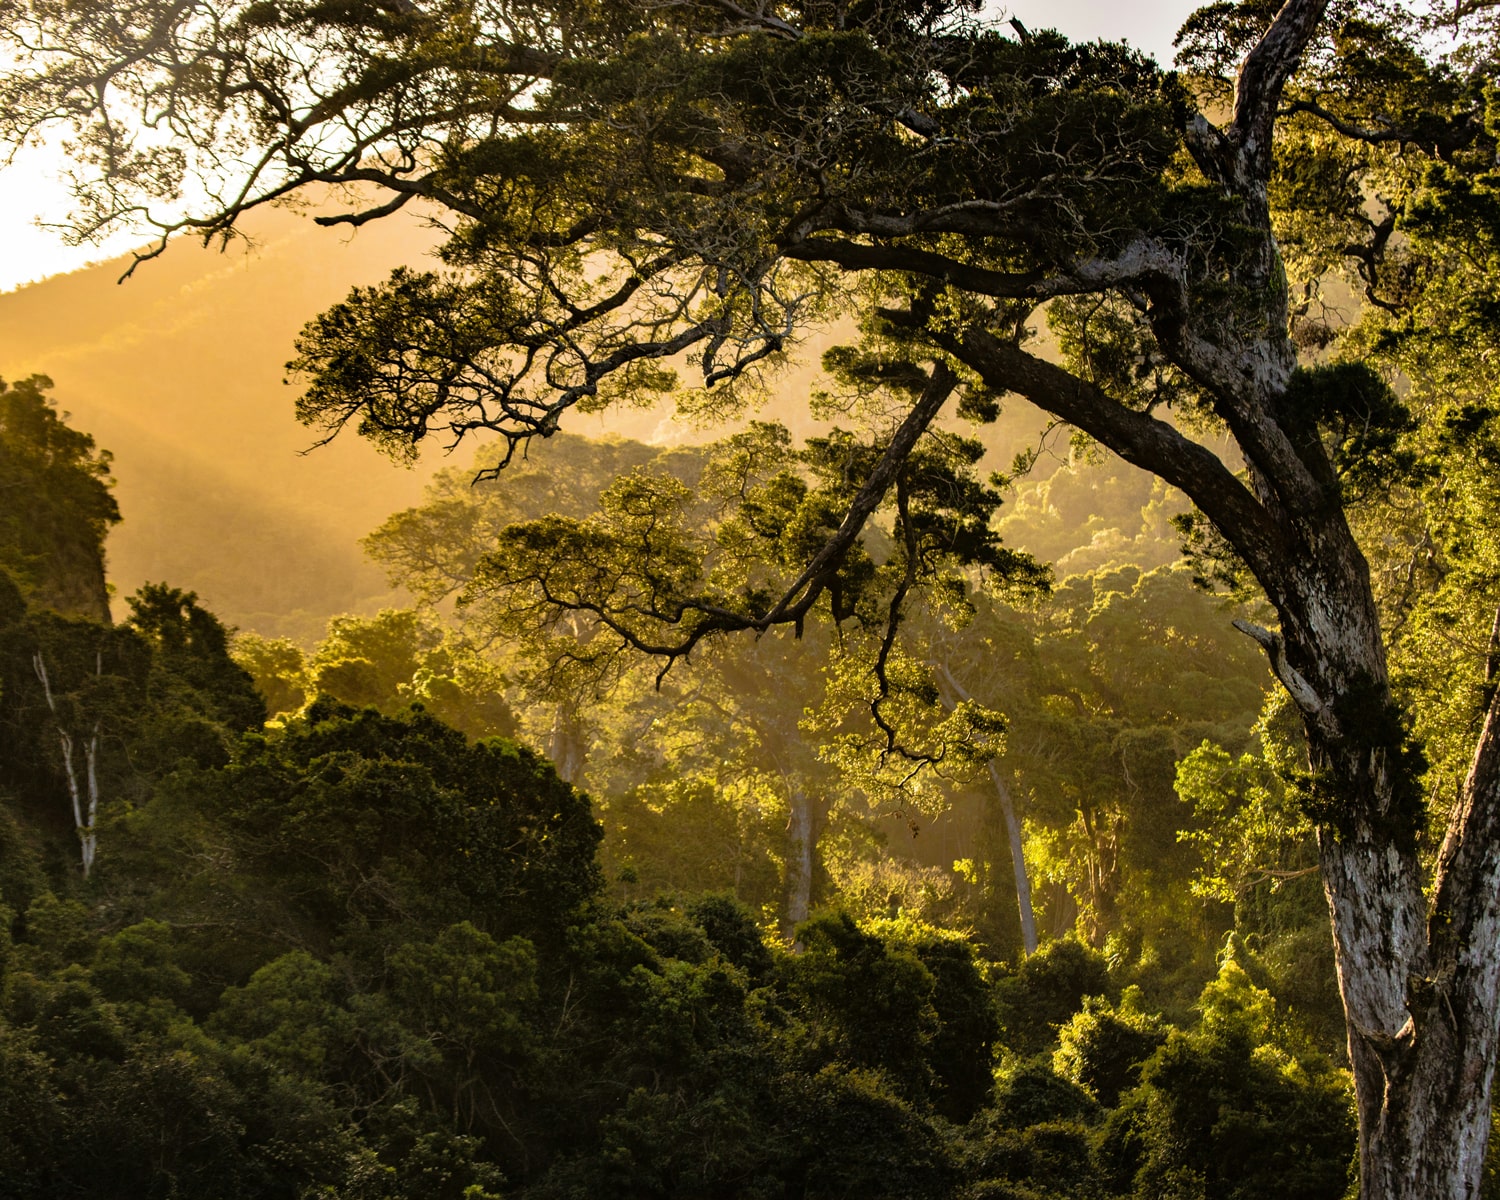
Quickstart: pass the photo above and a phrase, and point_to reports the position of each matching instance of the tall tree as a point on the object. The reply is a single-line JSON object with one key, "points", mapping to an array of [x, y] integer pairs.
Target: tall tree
{"points": [[633, 183]]}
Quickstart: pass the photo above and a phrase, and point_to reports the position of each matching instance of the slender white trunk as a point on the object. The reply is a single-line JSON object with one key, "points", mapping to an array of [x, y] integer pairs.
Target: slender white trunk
{"points": [[87, 834], [1012, 830], [801, 845], [83, 817], [1017, 861], [565, 745]]}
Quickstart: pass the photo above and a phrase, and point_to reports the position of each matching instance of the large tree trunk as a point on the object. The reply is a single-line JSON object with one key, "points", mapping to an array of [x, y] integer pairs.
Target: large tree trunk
{"points": [[1420, 981], [1420, 985]]}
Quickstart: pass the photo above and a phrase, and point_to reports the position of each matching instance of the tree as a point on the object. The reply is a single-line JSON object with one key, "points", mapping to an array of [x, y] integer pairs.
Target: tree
{"points": [[366, 824], [55, 503], [71, 684], [1103, 686], [731, 723], [630, 184], [96, 711], [436, 551], [1229, 1110]]}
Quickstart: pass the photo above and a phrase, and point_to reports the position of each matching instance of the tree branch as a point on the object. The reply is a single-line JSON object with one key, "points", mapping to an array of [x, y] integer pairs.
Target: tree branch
{"points": [[1137, 437], [1257, 93], [1301, 691], [1141, 260], [1464, 912], [820, 570], [612, 600]]}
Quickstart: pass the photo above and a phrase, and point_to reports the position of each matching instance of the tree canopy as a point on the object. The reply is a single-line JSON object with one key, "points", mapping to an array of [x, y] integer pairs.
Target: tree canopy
{"points": [[53, 545]]}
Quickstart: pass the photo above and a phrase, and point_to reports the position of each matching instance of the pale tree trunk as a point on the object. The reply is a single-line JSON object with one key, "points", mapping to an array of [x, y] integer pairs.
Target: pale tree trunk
{"points": [[1420, 983], [1013, 831], [84, 813], [804, 822], [1420, 980], [88, 834], [565, 744], [1017, 860]]}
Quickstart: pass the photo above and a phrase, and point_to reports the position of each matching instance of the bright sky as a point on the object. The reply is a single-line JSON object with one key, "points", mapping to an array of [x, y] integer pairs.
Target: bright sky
{"points": [[30, 190]]}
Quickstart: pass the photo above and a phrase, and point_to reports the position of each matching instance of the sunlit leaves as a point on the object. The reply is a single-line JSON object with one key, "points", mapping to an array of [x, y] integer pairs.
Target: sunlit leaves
{"points": [[1246, 825]]}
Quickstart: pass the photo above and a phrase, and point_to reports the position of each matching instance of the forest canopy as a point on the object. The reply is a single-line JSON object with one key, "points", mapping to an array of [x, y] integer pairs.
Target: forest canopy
{"points": [[355, 952]]}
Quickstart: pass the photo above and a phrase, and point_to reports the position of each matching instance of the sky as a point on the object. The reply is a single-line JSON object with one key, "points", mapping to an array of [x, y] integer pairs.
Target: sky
{"points": [[30, 188]]}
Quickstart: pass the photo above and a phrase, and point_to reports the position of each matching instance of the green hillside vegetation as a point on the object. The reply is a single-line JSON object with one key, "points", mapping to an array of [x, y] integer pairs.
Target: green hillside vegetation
{"points": [[58, 503], [374, 948]]}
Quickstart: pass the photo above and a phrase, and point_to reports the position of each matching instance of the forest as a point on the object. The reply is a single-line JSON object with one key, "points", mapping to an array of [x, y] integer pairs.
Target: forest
{"points": [[876, 791], [321, 922]]}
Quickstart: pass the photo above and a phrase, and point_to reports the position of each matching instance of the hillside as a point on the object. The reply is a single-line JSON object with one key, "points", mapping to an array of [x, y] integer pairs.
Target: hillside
{"points": [[178, 371]]}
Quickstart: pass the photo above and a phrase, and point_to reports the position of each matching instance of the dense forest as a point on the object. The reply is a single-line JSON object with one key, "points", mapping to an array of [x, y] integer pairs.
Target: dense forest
{"points": [[325, 921], [806, 801]]}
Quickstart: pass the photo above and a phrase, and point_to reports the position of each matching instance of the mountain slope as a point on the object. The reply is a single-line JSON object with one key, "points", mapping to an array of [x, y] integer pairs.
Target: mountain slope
{"points": [[179, 371]]}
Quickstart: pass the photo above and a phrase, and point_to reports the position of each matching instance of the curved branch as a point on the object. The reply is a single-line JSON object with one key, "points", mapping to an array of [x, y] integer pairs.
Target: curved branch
{"points": [[698, 617], [1142, 260], [1301, 691], [820, 571], [1137, 437], [1435, 133], [1257, 92]]}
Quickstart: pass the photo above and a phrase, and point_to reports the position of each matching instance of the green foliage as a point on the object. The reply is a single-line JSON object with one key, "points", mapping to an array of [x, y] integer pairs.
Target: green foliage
{"points": [[377, 967], [278, 668], [962, 1047], [1104, 688], [395, 658], [1103, 1047], [55, 504], [1045, 990], [191, 666], [1362, 421], [1029, 1092], [1226, 1112], [730, 931], [365, 821], [287, 1014], [1248, 827], [869, 1003], [137, 965]]}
